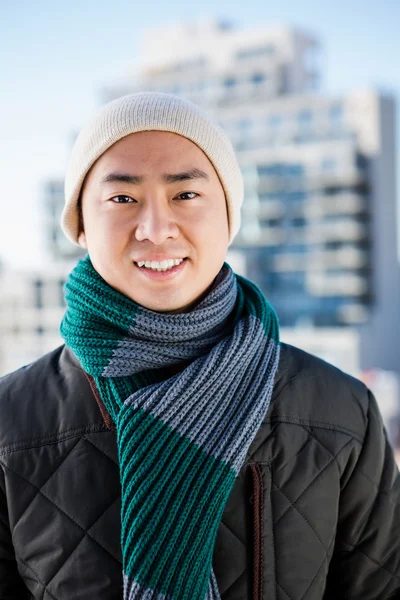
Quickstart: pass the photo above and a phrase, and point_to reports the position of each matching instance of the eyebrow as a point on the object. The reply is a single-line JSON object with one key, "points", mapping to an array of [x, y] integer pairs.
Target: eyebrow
{"points": [[184, 176], [165, 178]]}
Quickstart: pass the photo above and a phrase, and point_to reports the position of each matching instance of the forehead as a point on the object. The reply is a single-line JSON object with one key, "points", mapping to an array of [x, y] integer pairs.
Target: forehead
{"points": [[148, 149]]}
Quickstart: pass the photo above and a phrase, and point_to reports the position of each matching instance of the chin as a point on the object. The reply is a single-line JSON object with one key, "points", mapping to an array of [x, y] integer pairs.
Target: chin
{"points": [[163, 305]]}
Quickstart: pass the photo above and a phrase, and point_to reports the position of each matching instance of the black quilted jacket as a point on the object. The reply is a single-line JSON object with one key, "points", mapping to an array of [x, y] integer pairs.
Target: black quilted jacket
{"points": [[314, 513]]}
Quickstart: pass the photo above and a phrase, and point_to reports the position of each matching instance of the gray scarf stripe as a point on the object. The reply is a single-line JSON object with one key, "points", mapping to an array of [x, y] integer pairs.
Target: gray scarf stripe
{"points": [[170, 339], [134, 591], [199, 401]]}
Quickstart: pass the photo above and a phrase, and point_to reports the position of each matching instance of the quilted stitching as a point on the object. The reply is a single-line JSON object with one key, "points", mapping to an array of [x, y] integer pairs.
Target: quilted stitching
{"points": [[45, 590], [289, 498], [233, 585], [238, 579], [91, 441], [292, 507], [44, 492], [39, 491], [242, 571], [312, 482], [318, 570], [43, 484], [284, 591], [85, 533], [233, 533]]}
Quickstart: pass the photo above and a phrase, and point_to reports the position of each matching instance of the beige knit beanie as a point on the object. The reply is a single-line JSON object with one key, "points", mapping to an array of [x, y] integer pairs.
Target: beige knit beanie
{"points": [[149, 111]]}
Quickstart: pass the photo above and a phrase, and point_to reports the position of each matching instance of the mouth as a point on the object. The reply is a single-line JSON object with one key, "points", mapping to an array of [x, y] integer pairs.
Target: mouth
{"points": [[163, 265], [163, 269]]}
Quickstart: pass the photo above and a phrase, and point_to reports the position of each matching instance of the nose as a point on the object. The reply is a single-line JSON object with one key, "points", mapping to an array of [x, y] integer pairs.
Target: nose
{"points": [[156, 223]]}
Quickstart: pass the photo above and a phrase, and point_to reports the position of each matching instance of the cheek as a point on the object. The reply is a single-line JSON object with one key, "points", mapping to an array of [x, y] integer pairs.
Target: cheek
{"points": [[213, 218], [106, 227], [212, 236]]}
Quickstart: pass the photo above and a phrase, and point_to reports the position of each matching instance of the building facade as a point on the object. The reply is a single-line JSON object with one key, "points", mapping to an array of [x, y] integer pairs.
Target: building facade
{"points": [[319, 228], [32, 302], [31, 308], [58, 247]]}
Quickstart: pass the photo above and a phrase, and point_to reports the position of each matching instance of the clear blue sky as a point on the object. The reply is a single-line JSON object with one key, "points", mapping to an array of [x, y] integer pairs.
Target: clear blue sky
{"points": [[57, 54]]}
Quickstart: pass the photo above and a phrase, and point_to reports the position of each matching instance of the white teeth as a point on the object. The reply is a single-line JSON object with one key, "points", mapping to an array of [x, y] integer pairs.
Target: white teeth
{"points": [[163, 265]]}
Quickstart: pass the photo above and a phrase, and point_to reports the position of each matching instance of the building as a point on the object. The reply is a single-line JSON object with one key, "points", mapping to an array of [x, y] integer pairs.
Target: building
{"points": [[32, 303], [58, 247], [319, 219], [31, 308]]}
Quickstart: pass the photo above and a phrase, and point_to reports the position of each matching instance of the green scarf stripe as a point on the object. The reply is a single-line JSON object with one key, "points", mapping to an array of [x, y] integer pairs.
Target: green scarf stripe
{"points": [[187, 478], [112, 389], [192, 572], [182, 439], [258, 306], [111, 320], [166, 443], [199, 562], [117, 310]]}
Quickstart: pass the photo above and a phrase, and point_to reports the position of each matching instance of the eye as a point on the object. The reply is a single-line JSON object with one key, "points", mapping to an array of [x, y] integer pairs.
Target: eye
{"points": [[191, 194], [122, 199]]}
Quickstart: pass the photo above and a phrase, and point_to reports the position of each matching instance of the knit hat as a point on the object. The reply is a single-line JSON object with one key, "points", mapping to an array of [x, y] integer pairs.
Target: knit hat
{"points": [[150, 111]]}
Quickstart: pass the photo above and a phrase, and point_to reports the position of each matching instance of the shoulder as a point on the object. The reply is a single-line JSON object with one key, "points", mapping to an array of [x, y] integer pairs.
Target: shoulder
{"points": [[313, 392], [32, 378], [50, 396]]}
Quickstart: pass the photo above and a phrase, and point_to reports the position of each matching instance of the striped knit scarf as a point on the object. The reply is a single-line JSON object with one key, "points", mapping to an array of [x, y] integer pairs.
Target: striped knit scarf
{"points": [[182, 439]]}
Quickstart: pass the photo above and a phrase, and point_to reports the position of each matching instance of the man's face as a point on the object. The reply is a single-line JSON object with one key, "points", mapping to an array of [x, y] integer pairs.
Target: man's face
{"points": [[154, 197]]}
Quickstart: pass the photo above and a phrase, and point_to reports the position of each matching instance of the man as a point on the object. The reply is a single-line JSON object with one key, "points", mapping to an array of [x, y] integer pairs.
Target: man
{"points": [[173, 448]]}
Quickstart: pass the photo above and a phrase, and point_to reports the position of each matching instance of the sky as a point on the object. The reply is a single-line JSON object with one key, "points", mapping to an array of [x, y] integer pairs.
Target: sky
{"points": [[56, 55]]}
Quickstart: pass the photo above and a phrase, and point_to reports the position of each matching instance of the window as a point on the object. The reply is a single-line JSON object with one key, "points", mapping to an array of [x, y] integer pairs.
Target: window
{"points": [[296, 196], [333, 245], [244, 124], [280, 170], [298, 222], [305, 117], [328, 165], [255, 51], [295, 248], [38, 293], [293, 170], [269, 197], [56, 188], [361, 162], [258, 78], [270, 222], [267, 170], [275, 121], [336, 112], [230, 82]]}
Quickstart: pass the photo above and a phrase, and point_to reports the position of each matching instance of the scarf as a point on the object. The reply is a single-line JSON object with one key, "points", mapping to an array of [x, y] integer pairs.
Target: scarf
{"points": [[182, 439]]}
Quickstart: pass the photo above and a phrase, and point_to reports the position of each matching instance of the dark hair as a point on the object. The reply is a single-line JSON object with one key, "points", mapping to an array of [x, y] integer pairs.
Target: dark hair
{"points": [[80, 214]]}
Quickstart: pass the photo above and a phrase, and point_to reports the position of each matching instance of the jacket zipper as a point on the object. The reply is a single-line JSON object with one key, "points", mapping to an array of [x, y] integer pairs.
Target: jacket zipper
{"points": [[257, 500]]}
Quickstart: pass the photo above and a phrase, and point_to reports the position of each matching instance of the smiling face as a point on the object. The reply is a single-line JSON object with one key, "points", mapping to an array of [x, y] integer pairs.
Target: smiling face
{"points": [[153, 198]]}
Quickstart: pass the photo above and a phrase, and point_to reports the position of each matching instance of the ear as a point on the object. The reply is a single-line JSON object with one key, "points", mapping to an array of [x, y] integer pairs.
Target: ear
{"points": [[82, 240]]}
